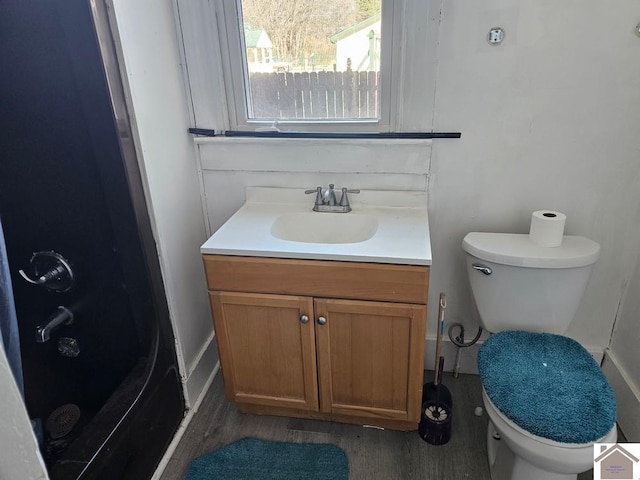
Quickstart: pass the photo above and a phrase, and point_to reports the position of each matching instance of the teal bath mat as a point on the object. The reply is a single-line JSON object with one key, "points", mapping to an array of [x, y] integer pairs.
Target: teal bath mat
{"points": [[255, 459]]}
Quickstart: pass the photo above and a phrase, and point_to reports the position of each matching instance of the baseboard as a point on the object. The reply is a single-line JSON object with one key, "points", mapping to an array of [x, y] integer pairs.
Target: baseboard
{"points": [[183, 425], [627, 397], [203, 370], [469, 355], [200, 371]]}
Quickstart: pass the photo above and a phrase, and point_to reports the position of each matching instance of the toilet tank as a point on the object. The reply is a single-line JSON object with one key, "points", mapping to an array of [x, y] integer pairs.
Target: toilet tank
{"points": [[519, 285]]}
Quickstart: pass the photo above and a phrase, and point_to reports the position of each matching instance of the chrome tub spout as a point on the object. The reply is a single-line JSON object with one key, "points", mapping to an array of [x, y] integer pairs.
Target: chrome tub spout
{"points": [[62, 316]]}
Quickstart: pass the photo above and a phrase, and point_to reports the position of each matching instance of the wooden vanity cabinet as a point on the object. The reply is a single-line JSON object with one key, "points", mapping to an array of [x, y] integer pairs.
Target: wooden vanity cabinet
{"points": [[268, 357], [294, 341]]}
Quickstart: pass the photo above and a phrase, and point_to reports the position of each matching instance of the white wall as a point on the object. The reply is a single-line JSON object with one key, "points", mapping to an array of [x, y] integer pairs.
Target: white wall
{"points": [[230, 165], [623, 358], [625, 342], [157, 96], [550, 119]]}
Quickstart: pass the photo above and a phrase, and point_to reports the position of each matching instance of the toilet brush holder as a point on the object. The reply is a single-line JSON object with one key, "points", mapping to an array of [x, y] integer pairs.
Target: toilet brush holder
{"points": [[435, 418]]}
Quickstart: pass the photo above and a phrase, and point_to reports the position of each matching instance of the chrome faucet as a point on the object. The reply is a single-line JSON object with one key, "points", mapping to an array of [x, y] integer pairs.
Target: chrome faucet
{"points": [[329, 197], [326, 200], [62, 316]]}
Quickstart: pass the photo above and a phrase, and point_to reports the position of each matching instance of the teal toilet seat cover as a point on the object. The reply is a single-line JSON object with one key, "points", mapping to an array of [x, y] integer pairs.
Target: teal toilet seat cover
{"points": [[548, 385]]}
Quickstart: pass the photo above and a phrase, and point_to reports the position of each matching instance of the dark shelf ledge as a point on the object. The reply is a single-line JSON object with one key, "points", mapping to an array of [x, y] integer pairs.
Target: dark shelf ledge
{"points": [[329, 135]]}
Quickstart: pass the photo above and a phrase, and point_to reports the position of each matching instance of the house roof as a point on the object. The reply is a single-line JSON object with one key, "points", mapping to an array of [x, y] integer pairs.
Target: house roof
{"points": [[367, 22], [615, 448], [256, 37]]}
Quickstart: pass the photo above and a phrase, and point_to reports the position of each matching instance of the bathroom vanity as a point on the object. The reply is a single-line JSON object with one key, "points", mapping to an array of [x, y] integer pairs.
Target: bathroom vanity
{"points": [[315, 329]]}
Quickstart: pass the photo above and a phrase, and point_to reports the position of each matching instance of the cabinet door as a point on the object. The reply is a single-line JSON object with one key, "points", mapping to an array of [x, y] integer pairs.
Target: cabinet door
{"points": [[267, 353], [370, 358]]}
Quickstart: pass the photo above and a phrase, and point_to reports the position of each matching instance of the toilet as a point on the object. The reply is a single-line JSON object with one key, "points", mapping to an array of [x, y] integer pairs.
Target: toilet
{"points": [[547, 399]]}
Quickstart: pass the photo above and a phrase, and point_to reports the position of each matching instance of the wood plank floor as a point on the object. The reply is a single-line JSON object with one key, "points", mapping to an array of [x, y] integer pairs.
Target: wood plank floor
{"points": [[373, 454]]}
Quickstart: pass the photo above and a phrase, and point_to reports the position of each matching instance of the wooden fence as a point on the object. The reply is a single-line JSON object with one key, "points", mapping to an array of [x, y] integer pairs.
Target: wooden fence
{"points": [[315, 95]]}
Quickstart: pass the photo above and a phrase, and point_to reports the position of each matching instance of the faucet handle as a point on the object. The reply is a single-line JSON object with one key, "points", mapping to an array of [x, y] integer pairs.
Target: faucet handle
{"points": [[344, 201], [318, 192]]}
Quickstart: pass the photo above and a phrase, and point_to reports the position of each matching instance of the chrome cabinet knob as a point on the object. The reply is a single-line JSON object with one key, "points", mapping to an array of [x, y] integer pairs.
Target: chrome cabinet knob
{"points": [[304, 319], [322, 321]]}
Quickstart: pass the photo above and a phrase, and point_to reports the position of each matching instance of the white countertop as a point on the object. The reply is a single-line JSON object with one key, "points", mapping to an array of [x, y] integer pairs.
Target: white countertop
{"points": [[402, 236]]}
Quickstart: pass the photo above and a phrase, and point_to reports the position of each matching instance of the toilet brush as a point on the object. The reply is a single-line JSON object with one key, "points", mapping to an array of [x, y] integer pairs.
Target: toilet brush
{"points": [[435, 422], [429, 390]]}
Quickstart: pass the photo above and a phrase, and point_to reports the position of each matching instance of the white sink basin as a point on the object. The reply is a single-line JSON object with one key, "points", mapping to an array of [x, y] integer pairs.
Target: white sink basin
{"points": [[314, 227], [383, 227]]}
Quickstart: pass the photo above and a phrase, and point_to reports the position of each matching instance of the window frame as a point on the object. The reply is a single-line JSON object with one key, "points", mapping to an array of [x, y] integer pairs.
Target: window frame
{"points": [[233, 55], [416, 29]]}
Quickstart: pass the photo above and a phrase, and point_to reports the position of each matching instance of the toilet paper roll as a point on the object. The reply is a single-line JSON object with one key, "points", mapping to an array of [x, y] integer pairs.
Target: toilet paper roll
{"points": [[547, 228]]}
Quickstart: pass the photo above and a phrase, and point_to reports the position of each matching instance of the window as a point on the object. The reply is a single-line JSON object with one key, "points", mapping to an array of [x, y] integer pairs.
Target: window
{"points": [[309, 64], [326, 64], [228, 46]]}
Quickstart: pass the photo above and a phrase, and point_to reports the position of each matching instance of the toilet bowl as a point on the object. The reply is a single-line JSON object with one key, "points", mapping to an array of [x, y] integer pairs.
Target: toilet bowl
{"points": [[515, 453], [527, 295]]}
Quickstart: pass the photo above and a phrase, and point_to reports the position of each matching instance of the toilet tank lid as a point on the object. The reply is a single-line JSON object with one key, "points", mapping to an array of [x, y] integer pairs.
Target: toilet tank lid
{"points": [[518, 250]]}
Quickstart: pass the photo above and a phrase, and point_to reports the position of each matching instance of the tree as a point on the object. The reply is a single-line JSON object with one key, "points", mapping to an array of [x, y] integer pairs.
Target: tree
{"points": [[367, 8], [299, 28]]}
